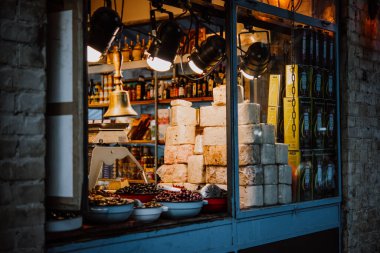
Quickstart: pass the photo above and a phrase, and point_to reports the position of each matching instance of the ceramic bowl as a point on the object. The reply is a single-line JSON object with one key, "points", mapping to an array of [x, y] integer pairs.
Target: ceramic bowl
{"points": [[148, 214], [110, 214], [180, 210], [215, 205], [64, 225]]}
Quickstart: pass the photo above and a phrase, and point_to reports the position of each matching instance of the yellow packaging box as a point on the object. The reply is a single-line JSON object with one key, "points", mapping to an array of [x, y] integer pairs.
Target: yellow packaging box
{"points": [[294, 161], [290, 137], [274, 90], [289, 80]]}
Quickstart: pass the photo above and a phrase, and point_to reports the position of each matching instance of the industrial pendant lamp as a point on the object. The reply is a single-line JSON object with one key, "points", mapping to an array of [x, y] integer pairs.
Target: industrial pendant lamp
{"points": [[208, 55], [120, 104], [105, 23], [164, 47], [255, 62]]}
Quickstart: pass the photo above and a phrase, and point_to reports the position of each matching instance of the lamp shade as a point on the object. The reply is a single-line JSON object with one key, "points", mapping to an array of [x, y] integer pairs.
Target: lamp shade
{"points": [[104, 26], [209, 53], [164, 48], [255, 61]]}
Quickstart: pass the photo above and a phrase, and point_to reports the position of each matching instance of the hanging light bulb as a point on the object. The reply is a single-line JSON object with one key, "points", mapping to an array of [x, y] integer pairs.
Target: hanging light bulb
{"points": [[164, 47], [105, 23], [210, 52], [255, 61]]}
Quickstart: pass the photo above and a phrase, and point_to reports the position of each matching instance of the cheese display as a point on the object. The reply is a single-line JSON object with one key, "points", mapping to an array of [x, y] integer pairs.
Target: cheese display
{"points": [[180, 102], [199, 149]]}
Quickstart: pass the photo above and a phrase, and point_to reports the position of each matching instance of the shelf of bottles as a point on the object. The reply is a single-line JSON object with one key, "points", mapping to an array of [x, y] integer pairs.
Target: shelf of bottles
{"points": [[142, 92]]}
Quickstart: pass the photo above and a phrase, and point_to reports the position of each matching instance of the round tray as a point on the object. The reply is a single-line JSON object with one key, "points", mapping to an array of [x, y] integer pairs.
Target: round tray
{"points": [[64, 225], [215, 205], [109, 214], [179, 210], [149, 214]]}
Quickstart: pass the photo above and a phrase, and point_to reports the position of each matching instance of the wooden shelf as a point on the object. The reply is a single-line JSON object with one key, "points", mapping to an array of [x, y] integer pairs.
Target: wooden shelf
{"points": [[161, 101], [108, 68]]}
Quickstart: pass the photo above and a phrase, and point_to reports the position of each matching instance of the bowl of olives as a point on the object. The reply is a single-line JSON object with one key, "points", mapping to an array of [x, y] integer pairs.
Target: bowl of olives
{"points": [[142, 192], [105, 207], [181, 204], [148, 212]]}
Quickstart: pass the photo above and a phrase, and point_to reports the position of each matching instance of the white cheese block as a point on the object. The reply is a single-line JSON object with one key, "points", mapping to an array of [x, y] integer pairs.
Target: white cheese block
{"points": [[270, 174], [196, 172], [162, 185], [251, 196], [219, 95], [183, 153], [193, 187], [182, 115], [250, 134], [270, 194], [180, 102], [284, 174], [212, 116], [198, 148], [177, 135], [268, 154], [268, 133], [216, 174], [284, 194], [215, 155], [177, 153], [214, 136], [248, 113], [249, 154], [170, 154], [175, 173], [251, 175], [281, 153]]}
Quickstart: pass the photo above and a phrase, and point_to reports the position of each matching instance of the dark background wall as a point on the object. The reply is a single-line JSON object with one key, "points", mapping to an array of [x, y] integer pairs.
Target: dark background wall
{"points": [[360, 118], [22, 125]]}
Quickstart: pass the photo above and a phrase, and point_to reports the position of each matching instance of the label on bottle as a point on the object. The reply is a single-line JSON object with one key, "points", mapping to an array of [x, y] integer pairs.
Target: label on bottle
{"points": [[181, 92], [330, 173], [331, 122], [307, 178], [303, 81], [319, 175], [194, 89], [318, 82], [319, 121], [306, 121], [138, 92], [330, 85]]}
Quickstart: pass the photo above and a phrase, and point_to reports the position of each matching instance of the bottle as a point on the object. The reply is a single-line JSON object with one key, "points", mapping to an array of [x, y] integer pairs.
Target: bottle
{"points": [[306, 175], [168, 90], [136, 52], [126, 51], [140, 88], [164, 91], [181, 89], [199, 89], [204, 88], [318, 129], [152, 91], [147, 92], [194, 86], [189, 89], [160, 89], [330, 177], [133, 92], [305, 128], [210, 86], [318, 180]]}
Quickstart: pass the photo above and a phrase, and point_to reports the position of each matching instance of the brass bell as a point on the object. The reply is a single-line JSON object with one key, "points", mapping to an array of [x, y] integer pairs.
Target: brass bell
{"points": [[120, 104]]}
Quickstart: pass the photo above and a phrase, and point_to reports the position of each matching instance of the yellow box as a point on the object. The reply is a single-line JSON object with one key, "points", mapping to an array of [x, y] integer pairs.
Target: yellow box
{"points": [[290, 137], [274, 90], [272, 117], [289, 81], [294, 161]]}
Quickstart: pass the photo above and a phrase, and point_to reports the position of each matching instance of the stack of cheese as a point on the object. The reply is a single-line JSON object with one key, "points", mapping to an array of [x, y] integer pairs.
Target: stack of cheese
{"points": [[179, 145]]}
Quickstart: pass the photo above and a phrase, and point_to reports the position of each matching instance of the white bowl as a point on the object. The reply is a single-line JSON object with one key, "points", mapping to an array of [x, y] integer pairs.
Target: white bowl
{"points": [[179, 210], [148, 214], [64, 225], [110, 214]]}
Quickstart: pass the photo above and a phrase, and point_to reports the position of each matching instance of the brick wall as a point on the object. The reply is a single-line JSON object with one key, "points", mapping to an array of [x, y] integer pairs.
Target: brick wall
{"points": [[22, 125], [360, 128]]}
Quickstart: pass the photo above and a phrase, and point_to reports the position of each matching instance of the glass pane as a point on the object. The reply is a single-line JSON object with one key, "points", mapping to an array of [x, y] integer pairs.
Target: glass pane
{"points": [[287, 148], [321, 9]]}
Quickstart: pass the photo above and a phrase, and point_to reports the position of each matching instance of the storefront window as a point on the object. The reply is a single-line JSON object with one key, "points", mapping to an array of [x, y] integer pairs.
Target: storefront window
{"points": [[287, 111]]}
